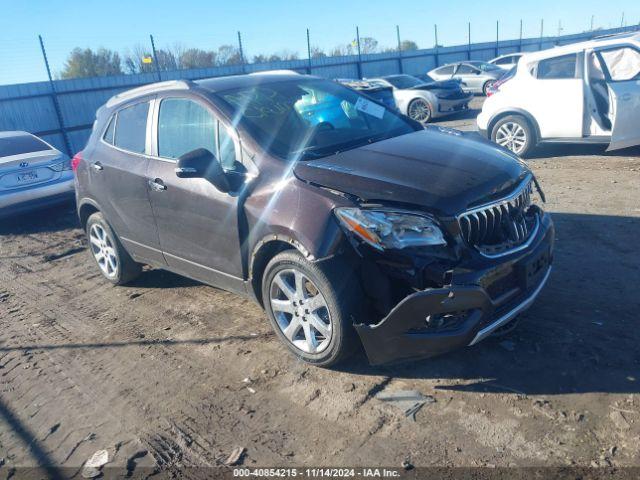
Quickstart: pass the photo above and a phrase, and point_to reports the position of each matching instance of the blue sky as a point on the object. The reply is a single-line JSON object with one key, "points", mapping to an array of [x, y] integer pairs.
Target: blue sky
{"points": [[273, 25]]}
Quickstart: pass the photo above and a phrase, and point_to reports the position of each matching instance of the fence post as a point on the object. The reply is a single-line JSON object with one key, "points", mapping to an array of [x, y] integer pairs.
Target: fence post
{"points": [[309, 52], [155, 57], [54, 97], [435, 29], [242, 61], [359, 64], [497, 37], [520, 42], [400, 69], [541, 32], [469, 41]]}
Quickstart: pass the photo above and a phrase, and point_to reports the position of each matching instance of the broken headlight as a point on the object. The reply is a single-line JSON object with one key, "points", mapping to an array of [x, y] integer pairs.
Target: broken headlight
{"points": [[384, 229]]}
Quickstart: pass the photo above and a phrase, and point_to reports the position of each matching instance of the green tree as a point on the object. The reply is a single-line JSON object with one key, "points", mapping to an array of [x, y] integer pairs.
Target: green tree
{"points": [[89, 63], [407, 45]]}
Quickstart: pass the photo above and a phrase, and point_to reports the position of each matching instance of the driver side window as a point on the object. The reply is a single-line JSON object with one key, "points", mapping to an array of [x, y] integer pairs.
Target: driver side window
{"points": [[185, 125]]}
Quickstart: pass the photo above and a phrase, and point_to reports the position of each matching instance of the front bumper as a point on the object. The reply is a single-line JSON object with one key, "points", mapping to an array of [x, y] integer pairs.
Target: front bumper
{"points": [[451, 106], [483, 300]]}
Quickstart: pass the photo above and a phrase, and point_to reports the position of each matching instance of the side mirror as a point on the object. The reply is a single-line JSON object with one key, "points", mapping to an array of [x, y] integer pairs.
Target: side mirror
{"points": [[201, 163]]}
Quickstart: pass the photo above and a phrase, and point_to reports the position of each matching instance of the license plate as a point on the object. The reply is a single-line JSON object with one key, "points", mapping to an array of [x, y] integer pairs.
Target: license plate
{"points": [[27, 177], [532, 271]]}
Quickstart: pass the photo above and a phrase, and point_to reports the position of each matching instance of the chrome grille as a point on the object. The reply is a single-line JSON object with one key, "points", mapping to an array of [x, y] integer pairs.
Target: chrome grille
{"points": [[496, 228]]}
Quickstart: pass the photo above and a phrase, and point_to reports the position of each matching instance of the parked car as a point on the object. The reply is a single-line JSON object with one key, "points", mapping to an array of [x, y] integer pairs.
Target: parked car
{"points": [[495, 86], [416, 240], [475, 77], [424, 101], [581, 93], [380, 93], [508, 61], [33, 174]]}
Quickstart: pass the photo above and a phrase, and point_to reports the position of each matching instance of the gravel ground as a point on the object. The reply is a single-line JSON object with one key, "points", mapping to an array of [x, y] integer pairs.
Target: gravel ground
{"points": [[168, 372]]}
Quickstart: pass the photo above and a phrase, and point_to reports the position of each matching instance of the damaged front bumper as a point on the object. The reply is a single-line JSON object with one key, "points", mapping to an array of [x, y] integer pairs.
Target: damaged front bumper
{"points": [[474, 305]]}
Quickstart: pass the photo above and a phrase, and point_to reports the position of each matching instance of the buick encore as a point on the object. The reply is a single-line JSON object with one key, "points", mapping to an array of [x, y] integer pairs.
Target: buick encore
{"points": [[346, 221]]}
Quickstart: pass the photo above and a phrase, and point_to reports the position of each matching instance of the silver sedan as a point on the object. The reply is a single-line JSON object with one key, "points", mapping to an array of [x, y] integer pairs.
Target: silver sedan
{"points": [[424, 100], [475, 77], [32, 174]]}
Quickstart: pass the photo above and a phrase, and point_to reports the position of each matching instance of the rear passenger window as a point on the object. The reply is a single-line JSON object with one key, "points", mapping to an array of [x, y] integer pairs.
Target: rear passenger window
{"points": [[183, 126], [558, 67], [504, 61], [465, 69], [131, 128], [448, 70]]}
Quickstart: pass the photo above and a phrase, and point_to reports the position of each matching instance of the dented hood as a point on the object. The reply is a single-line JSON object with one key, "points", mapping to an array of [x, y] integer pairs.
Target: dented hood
{"points": [[442, 170]]}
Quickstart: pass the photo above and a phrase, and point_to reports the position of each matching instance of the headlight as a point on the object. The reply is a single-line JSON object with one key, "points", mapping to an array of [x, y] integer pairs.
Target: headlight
{"points": [[388, 229], [62, 166]]}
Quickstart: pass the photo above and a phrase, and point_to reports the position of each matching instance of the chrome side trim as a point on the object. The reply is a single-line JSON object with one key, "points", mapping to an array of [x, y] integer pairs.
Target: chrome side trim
{"points": [[486, 331]]}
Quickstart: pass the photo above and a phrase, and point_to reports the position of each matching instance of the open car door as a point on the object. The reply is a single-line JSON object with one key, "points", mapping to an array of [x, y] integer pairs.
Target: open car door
{"points": [[621, 65]]}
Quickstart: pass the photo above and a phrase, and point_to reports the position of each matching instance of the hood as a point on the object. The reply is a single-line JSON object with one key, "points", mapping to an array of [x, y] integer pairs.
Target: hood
{"points": [[439, 169], [439, 85]]}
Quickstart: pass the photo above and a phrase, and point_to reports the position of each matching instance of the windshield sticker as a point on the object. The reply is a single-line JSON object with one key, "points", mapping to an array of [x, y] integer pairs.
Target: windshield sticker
{"points": [[370, 108]]}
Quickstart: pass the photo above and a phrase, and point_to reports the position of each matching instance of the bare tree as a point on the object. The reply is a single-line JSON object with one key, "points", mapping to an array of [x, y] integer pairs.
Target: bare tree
{"points": [[229, 55], [316, 52]]}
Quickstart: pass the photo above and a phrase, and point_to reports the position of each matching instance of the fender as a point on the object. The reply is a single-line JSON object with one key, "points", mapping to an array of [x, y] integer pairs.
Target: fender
{"points": [[81, 209], [511, 111]]}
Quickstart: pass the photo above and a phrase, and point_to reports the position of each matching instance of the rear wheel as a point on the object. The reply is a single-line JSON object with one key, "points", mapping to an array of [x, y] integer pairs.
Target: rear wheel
{"points": [[311, 307], [419, 110], [515, 133], [486, 86], [115, 264]]}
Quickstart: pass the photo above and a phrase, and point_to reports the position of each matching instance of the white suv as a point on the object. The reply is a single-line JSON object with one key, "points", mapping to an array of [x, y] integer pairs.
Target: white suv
{"points": [[587, 92]]}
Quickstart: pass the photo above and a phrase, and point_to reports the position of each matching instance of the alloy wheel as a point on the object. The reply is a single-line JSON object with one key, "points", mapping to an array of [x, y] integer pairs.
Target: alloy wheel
{"points": [[419, 111], [512, 136], [301, 311], [103, 250]]}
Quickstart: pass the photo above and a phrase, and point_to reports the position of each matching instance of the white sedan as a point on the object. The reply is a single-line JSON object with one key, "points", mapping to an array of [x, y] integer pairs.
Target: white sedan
{"points": [[586, 92]]}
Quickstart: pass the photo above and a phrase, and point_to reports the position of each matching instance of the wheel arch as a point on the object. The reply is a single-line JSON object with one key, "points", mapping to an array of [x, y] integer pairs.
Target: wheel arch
{"points": [[86, 208], [514, 111]]}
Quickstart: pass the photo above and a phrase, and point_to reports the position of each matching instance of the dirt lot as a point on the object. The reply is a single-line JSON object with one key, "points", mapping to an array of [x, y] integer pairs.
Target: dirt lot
{"points": [[155, 372]]}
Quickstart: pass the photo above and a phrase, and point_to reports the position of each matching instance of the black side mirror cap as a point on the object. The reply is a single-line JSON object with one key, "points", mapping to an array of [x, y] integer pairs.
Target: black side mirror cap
{"points": [[201, 163]]}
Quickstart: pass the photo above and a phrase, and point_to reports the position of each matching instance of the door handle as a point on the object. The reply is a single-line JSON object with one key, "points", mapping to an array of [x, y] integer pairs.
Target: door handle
{"points": [[97, 166], [157, 185]]}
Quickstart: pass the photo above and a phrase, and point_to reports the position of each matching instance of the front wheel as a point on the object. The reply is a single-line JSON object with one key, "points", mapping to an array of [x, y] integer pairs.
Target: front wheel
{"points": [[486, 86], [515, 133], [311, 307], [419, 110]]}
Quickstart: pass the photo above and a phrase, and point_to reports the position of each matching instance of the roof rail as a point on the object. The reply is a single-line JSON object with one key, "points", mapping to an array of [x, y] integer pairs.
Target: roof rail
{"points": [[150, 88]]}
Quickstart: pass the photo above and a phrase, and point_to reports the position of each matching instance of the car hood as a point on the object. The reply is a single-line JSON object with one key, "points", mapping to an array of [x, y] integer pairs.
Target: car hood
{"points": [[439, 169]]}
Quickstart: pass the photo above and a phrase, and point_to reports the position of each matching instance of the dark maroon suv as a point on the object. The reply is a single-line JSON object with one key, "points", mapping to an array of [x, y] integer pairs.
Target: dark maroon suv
{"points": [[345, 220]]}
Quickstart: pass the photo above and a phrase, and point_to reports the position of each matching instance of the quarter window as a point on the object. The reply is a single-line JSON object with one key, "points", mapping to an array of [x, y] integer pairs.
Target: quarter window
{"points": [[558, 67], [183, 126], [227, 155], [108, 134], [131, 131]]}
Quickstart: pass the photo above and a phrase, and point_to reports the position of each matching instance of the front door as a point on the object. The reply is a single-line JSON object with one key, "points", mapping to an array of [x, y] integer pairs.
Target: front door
{"points": [[197, 224], [621, 65], [469, 77]]}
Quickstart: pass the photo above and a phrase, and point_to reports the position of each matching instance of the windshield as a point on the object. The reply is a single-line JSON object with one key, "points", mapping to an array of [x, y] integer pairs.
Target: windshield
{"points": [[306, 118], [404, 81]]}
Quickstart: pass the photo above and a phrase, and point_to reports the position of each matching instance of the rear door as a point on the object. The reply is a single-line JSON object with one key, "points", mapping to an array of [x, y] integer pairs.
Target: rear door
{"points": [[118, 167], [555, 97], [197, 224], [621, 65], [469, 77]]}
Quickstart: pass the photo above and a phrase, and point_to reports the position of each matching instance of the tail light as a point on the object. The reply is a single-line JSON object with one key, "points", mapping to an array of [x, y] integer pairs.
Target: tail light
{"points": [[75, 161]]}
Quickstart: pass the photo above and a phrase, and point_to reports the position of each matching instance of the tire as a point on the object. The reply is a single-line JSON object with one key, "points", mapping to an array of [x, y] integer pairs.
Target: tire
{"points": [[113, 261], [520, 129], [486, 86], [423, 110], [286, 282]]}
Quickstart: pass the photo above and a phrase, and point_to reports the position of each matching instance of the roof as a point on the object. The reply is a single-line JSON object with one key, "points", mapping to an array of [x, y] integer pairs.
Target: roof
{"points": [[13, 133], [215, 84], [577, 47]]}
